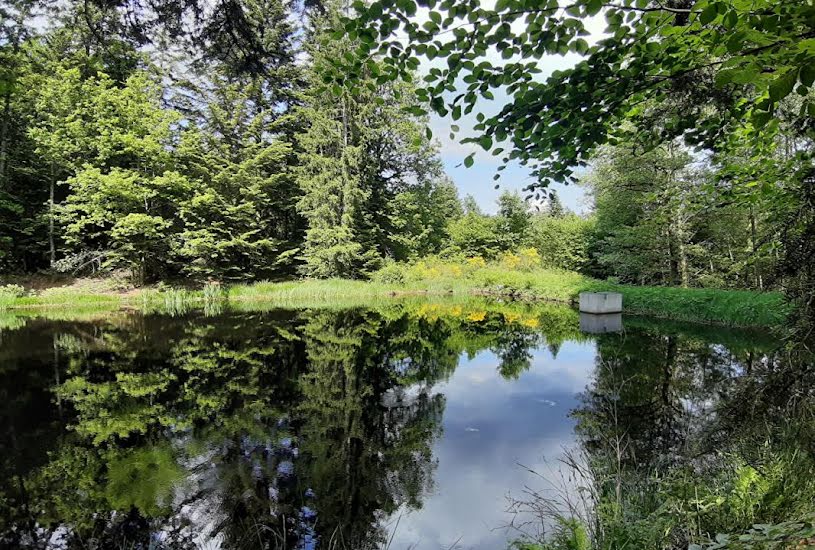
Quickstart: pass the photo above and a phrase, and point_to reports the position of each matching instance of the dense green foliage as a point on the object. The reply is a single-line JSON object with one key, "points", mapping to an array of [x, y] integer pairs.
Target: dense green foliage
{"points": [[731, 79], [113, 157], [661, 219], [172, 153], [371, 181], [741, 58]]}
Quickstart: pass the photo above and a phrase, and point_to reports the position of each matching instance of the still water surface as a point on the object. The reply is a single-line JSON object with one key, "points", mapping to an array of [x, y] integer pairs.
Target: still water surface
{"points": [[408, 426]]}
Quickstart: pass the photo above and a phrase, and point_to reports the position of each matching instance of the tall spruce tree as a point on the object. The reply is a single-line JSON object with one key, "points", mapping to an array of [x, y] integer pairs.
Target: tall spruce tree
{"points": [[241, 221], [359, 153]]}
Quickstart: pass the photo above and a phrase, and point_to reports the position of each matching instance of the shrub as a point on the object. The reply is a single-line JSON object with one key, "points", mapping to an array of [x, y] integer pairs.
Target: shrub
{"points": [[390, 273], [9, 293], [12, 291], [476, 262], [563, 242], [526, 259]]}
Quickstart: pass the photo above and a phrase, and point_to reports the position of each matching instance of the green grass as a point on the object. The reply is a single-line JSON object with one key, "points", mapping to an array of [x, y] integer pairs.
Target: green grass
{"points": [[725, 307], [730, 307]]}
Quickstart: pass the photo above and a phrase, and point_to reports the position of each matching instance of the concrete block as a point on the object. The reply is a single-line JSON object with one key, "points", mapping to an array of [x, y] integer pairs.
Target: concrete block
{"points": [[601, 302], [593, 323]]}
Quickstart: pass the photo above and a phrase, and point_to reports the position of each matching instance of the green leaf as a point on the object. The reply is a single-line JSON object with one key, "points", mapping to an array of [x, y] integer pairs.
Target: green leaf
{"points": [[593, 7], [723, 78], [580, 46], [731, 19], [808, 74], [708, 14], [761, 118], [782, 86], [469, 161]]}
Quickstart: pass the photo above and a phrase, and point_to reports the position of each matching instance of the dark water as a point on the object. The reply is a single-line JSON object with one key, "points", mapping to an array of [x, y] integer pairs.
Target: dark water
{"points": [[411, 426]]}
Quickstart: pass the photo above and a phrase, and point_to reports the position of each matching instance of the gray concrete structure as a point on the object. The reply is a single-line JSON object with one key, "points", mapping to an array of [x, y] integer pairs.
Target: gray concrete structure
{"points": [[593, 323], [601, 302]]}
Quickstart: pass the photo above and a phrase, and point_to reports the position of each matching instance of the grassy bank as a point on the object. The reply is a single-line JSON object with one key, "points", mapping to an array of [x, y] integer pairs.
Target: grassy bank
{"points": [[515, 277], [510, 280]]}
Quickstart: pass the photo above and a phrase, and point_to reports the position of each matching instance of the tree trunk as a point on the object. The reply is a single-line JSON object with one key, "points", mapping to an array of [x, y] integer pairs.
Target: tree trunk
{"points": [[683, 264], [753, 238], [673, 258], [52, 252], [5, 124], [4, 138]]}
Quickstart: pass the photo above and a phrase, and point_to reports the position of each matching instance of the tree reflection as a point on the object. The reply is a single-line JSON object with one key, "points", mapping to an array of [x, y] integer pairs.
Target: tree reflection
{"points": [[277, 430], [685, 439], [315, 429]]}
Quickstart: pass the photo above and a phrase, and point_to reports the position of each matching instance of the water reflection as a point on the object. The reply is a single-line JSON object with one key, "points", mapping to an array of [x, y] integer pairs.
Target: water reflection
{"points": [[326, 429], [601, 323], [685, 440]]}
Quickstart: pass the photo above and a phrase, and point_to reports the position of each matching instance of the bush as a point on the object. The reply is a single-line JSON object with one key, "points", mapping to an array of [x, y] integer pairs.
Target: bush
{"points": [[711, 280], [526, 259], [12, 291], [390, 273], [476, 262], [9, 293], [563, 242]]}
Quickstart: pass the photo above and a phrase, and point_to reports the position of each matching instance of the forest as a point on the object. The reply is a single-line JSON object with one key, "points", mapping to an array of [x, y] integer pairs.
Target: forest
{"points": [[244, 285], [269, 140]]}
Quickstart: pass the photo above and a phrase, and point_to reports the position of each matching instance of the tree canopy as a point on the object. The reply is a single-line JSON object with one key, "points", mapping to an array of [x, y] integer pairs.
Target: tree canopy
{"points": [[710, 68]]}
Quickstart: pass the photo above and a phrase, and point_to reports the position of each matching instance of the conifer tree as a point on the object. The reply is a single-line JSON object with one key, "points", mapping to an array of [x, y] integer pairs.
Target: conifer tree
{"points": [[358, 154], [554, 207], [241, 221]]}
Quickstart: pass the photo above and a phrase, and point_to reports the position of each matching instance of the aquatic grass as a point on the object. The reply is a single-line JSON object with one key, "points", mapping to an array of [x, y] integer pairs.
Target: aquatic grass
{"points": [[9, 294], [740, 308], [311, 293], [167, 301], [176, 301], [731, 307], [58, 298], [214, 298], [213, 292]]}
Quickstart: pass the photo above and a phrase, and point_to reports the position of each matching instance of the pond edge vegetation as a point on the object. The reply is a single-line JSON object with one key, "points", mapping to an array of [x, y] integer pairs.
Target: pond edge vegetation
{"points": [[507, 278]]}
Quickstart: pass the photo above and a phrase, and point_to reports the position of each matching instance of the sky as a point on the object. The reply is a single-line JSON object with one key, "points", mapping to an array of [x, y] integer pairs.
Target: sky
{"points": [[477, 180], [493, 430]]}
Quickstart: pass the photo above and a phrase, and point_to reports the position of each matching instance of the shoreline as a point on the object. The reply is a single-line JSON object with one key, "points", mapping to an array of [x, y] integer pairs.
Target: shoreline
{"points": [[736, 308]]}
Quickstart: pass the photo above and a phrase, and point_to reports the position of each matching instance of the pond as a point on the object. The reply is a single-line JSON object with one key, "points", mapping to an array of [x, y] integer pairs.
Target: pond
{"points": [[418, 424]]}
